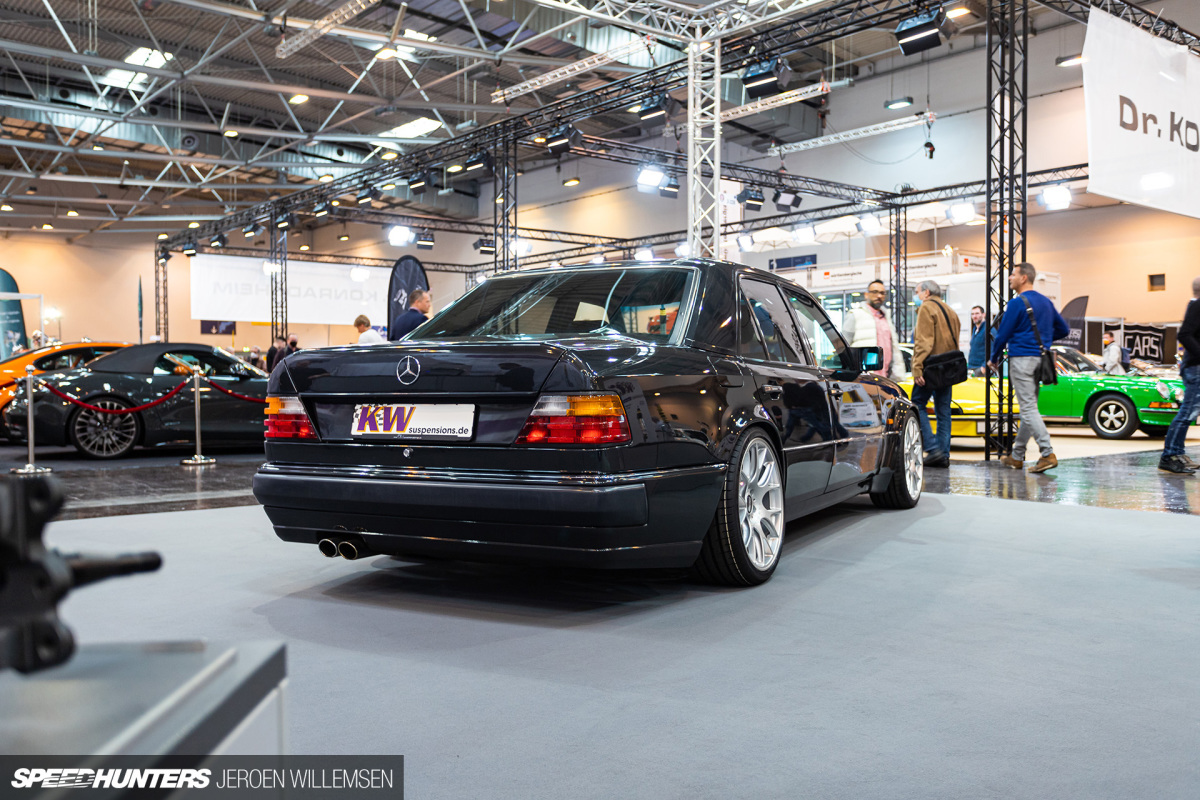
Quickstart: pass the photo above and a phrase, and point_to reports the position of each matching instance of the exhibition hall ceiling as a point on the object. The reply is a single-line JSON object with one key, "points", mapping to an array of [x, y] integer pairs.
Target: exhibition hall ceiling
{"points": [[140, 115]]}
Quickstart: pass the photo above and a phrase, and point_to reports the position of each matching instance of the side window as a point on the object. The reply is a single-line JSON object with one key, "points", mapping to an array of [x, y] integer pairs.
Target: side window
{"points": [[826, 343], [56, 361], [749, 343], [774, 322]]}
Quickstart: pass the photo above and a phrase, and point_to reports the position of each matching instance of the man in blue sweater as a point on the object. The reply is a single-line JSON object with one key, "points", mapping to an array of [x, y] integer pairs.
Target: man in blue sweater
{"points": [[1024, 352], [1173, 458]]}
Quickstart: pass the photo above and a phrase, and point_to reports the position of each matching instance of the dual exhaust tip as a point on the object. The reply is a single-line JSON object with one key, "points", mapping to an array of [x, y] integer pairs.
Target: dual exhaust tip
{"points": [[345, 548]]}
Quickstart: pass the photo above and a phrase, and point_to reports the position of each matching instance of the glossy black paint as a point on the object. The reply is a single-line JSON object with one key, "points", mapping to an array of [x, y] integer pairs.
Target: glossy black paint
{"points": [[687, 403], [129, 374]]}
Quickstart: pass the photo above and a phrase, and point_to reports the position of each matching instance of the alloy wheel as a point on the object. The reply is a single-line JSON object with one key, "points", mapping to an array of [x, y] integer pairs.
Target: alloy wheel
{"points": [[914, 464], [105, 435], [760, 504]]}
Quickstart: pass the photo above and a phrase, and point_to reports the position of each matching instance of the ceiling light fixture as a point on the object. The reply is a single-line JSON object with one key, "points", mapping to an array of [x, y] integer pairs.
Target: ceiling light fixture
{"points": [[425, 240], [670, 188], [368, 194], [1070, 61], [479, 162], [898, 103], [418, 183], [572, 181], [161, 236], [189, 248], [297, 99], [230, 133], [401, 236], [219, 241], [389, 155], [193, 224], [964, 12], [326, 178], [72, 212], [485, 246]]}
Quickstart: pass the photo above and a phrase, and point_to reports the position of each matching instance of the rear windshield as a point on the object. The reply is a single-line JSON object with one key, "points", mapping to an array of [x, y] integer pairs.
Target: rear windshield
{"points": [[639, 302]]}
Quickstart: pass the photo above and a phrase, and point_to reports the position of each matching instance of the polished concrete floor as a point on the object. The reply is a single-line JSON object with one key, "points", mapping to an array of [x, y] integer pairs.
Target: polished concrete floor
{"points": [[969, 647], [152, 481]]}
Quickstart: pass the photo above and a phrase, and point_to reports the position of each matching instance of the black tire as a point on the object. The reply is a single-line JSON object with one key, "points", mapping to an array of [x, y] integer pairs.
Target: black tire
{"points": [[1112, 416], [908, 471], [104, 436], [730, 551], [1154, 431]]}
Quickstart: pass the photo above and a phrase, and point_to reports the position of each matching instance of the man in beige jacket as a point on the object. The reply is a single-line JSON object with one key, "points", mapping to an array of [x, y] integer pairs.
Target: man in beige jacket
{"points": [[936, 332]]}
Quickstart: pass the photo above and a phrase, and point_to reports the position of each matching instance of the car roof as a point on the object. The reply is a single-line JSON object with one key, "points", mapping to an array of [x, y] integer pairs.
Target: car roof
{"points": [[140, 358]]}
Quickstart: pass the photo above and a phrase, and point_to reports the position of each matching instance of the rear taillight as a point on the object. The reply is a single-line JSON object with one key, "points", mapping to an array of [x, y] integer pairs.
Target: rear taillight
{"points": [[287, 419], [576, 419]]}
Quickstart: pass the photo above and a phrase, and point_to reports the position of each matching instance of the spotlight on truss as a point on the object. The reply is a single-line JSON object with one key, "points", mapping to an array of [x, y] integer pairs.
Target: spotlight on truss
{"points": [[786, 200], [658, 108], [925, 31], [485, 246], [751, 198], [650, 176], [766, 78], [575, 68], [563, 139], [670, 188]]}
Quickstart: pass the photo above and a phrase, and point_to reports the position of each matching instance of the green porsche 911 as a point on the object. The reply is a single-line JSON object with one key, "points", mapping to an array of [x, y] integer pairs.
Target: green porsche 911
{"points": [[1114, 405]]}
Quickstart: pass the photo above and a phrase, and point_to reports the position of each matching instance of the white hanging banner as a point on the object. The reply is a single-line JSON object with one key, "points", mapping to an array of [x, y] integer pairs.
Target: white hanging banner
{"points": [[1143, 116], [237, 288]]}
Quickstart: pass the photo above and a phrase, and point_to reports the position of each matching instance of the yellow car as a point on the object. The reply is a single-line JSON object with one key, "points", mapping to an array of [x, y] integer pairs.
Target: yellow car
{"points": [[1115, 406]]}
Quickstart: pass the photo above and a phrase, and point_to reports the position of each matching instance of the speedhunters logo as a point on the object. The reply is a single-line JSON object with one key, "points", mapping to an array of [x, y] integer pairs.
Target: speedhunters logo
{"points": [[69, 778], [229, 777]]}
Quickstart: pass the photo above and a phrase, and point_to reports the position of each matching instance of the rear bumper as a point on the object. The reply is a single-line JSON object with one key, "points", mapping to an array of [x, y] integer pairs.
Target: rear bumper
{"points": [[654, 519]]}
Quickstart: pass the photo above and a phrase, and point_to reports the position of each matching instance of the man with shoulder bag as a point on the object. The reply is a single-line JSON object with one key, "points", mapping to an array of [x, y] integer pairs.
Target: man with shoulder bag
{"points": [[1029, 324], [938, 364]]}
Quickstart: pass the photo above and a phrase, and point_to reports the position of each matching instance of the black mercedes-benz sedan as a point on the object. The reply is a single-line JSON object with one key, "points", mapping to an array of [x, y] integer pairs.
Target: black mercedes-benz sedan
{"points": [[641, 414]]}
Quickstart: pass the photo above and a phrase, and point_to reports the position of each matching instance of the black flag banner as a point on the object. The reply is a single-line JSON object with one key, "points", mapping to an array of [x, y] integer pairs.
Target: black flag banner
{"points": [[407, 275], [1074, 313]]}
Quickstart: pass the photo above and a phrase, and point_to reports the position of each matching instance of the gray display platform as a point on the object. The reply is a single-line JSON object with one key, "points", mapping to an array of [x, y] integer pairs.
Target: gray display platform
{"points": [[189, 698]]}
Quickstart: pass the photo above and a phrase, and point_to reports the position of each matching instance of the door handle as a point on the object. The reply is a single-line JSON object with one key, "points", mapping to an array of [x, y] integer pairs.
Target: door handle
{"points": [[771, 390]]}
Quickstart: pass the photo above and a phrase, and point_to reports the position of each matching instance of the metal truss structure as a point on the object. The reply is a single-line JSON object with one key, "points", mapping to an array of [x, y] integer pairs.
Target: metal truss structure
{"points": [[325, 258], [924, 118], [776, 101], [278, 256], [894, 203], [563, 73], [504, 205], [629, 153], [898, 268], [1007, 190], [1133, 14], [704, 149], [471, 228]]}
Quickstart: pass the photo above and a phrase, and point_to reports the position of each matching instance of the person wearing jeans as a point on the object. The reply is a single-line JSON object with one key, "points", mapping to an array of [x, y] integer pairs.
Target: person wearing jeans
{"points": [[936, 332], [1015, 332], [1173, 458]]}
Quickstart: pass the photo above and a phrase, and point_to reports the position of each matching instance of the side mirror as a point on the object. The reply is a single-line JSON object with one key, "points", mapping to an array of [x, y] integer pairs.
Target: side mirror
{"points": [[859, 360]]}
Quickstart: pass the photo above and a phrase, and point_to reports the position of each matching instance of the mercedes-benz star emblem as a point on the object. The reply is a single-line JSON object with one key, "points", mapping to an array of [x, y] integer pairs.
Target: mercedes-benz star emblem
{"points": [[408, 370]]}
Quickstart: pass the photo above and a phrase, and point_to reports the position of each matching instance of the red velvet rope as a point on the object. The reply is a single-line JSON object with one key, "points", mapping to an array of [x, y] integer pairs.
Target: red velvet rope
{"points": [[221, 388], [78, 402]]}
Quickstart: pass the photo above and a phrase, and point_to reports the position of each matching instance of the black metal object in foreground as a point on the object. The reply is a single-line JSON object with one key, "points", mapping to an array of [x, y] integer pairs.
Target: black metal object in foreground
{"points": [[34, 579]]}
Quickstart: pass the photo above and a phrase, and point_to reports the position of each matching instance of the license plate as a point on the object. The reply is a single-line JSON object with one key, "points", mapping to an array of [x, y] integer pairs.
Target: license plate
{"points": [[425, 421]]}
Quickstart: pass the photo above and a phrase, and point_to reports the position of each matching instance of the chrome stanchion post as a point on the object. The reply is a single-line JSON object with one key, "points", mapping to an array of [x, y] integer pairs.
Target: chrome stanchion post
{"points": [[198, 460], [31, 467]]}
